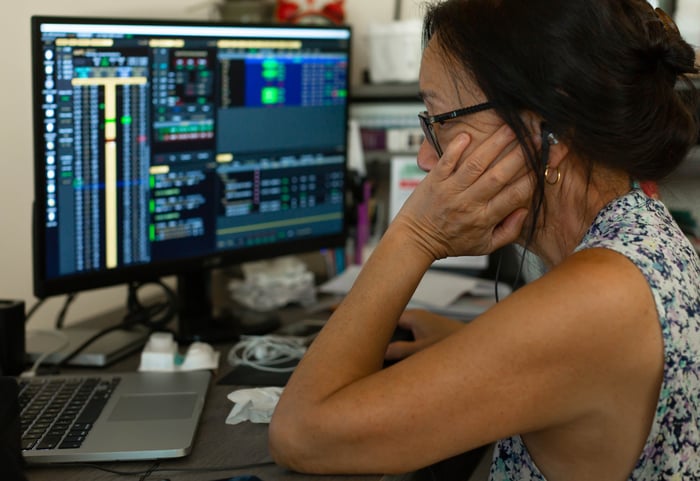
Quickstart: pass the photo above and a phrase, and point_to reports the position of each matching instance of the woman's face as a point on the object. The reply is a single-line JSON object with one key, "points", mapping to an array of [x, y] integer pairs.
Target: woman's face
{"points": [[441, 94]]}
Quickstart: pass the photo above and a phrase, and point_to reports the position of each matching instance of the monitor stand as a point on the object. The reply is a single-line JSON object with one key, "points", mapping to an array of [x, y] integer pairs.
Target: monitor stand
{"points": [[102, 352], [197, 320]]}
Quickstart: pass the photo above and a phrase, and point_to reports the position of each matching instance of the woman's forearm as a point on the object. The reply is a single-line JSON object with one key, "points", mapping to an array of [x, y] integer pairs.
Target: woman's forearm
{"points": [[367, 317], [350, 347]]}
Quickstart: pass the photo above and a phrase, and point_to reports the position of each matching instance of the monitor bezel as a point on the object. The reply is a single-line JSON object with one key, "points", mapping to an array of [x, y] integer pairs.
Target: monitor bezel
{"points": [[44, 287]]}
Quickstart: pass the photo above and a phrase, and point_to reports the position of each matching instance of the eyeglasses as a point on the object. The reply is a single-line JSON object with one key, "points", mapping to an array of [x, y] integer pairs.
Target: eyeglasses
{"points": [[427, 121]]}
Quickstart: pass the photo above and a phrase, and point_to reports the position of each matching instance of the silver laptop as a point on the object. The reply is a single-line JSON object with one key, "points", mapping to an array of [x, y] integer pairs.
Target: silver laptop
{"points": [[111, 417]]}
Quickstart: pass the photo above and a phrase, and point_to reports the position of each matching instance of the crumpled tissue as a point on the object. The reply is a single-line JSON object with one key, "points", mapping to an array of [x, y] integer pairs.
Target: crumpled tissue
{"points": [[255, 404]]}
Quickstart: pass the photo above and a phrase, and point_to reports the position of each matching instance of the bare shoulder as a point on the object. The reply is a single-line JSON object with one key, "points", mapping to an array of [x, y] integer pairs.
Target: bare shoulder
{"points": [[597, 344], [573, 334], [596, 286], [594, 292]]}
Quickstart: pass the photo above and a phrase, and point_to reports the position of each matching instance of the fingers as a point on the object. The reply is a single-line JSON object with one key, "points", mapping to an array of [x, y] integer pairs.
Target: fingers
{"points": [[517, 193], [473, 200], [509, 168], [397, 350], [450, 158], [400, 349], [507, 188], [408, 318], [487, 156], [508, 231]]}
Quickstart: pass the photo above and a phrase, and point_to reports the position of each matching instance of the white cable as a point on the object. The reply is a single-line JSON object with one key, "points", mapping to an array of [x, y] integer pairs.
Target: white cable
{"points": [[35, 367], [268, 353]]}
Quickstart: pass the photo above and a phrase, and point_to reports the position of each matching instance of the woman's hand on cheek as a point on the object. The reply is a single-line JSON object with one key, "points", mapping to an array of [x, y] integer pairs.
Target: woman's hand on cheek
{"points": [[467, 204]]}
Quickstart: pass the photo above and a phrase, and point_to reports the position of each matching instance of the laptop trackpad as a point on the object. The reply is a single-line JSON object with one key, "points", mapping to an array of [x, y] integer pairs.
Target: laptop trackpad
{"points": [[154, 407]]}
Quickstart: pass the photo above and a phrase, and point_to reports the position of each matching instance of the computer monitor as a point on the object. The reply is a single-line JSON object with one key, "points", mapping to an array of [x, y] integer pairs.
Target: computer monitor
{"points": [[171, 148]]}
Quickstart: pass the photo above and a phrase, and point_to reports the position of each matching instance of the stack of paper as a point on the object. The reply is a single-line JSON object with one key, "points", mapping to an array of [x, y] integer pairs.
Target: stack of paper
{"points": [[453, 295]]}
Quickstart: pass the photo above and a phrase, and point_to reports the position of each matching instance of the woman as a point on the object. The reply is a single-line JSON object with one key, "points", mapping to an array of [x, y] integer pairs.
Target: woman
{"points": [[589, 372]]}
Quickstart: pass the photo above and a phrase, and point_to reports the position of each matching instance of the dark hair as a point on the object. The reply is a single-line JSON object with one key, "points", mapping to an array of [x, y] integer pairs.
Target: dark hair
{"points": [[601, 73]]}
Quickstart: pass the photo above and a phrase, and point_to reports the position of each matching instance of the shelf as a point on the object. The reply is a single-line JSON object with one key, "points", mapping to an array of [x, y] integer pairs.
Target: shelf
{"points": [[386, 92]]}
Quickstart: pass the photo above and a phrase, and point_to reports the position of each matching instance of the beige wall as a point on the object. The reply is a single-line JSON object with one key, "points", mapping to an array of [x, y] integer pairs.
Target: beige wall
{"points": [[16, 178]]}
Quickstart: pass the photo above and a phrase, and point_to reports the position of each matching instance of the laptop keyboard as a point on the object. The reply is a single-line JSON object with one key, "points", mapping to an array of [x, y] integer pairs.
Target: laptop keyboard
{"points": [[58, 413]]}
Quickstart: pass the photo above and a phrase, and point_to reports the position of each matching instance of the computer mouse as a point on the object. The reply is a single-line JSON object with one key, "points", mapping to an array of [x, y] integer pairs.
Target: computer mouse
{"points": [[402, 334]]}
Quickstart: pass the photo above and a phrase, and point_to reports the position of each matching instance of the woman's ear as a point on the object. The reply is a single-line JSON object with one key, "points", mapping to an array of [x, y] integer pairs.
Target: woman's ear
{"points": [[557, 150], [539, 129]]}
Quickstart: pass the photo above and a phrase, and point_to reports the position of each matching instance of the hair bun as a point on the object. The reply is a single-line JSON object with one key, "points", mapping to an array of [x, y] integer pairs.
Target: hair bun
{"points": [[669, 46]]}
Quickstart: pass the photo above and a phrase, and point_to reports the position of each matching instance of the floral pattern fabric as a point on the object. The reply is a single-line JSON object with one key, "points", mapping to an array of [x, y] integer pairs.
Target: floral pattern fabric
{"points": [[643, 230]]}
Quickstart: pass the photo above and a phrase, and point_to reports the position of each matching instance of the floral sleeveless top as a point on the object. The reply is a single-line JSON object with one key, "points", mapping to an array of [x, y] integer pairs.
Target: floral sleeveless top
{"points": [[642, 229]]}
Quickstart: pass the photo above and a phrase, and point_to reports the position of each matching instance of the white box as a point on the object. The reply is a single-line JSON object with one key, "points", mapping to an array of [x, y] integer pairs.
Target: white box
{"points": [[395, 51]]}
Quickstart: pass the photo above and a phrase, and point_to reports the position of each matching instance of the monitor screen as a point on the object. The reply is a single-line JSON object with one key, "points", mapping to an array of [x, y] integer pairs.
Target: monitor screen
{"points": [[168, 148]]}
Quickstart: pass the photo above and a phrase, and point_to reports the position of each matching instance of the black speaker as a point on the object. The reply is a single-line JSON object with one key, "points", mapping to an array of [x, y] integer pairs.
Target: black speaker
{"points": [[12, 341], [11, 461]]}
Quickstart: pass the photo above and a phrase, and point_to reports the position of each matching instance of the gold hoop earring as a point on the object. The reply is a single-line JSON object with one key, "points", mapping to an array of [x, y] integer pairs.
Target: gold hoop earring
{"points": [[547, 177]]}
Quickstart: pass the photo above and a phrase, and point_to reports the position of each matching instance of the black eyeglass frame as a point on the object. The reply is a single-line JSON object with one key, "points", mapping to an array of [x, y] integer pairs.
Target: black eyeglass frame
{"points": [[427, 121]]}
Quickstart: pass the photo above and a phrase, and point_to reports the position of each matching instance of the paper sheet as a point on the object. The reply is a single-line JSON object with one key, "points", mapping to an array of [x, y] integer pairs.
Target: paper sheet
{"points": [[436, 289]]}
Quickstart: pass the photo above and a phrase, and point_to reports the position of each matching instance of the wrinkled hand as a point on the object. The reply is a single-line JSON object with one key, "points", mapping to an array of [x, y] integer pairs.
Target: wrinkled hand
{"points": [[468, 204], [427, 327]]}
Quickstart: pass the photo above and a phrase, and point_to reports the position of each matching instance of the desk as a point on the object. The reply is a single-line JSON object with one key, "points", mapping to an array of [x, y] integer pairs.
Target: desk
{"points": [[219, 445], [216, 445]]}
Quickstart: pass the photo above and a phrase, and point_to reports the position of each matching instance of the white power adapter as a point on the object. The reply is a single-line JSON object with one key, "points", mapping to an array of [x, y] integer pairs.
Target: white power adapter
{"points": [[161, 354], [200, 355]]}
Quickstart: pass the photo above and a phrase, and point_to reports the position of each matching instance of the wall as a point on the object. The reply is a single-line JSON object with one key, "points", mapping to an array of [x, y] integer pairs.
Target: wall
{"points": [[16, 181], [16, 177]]}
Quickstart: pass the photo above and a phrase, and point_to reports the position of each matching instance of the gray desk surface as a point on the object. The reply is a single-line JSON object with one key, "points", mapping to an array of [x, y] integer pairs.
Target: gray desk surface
{"points": [[216, 446], [219, 448]]}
